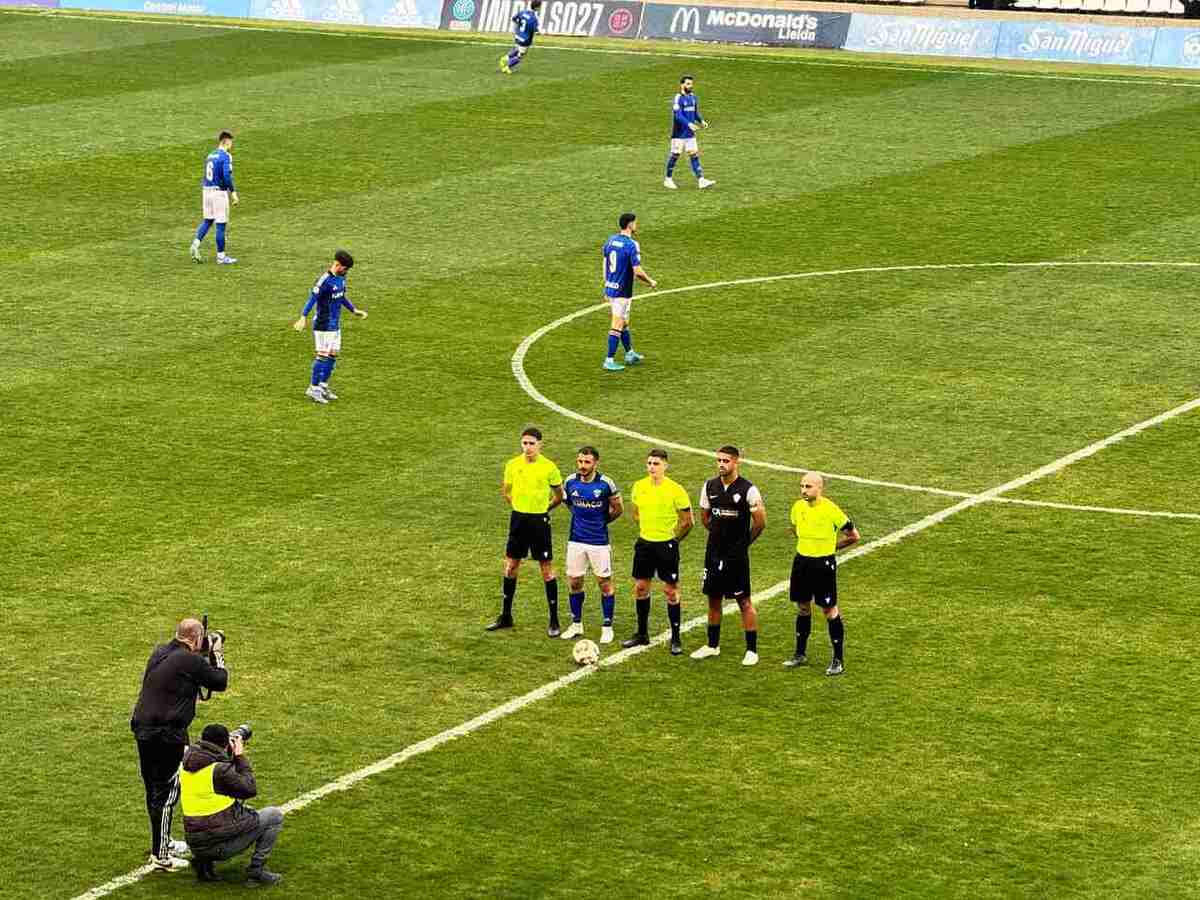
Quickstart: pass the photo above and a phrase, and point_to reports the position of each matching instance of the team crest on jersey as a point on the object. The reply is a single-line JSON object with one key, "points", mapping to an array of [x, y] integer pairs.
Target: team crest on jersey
{"points": [[597, 492], [737, 498]]}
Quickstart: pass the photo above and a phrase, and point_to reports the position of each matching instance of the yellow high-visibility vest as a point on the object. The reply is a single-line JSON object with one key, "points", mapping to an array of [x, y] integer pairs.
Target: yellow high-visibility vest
{"points": [[197, 795]]}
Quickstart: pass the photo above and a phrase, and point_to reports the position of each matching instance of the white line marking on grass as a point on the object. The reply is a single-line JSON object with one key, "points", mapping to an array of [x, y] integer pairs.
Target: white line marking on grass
{"points": [[950, 68], [518, 703], [518, 369]]}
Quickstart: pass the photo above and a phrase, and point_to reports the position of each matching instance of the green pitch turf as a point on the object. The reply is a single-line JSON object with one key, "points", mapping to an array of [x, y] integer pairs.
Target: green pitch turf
{"points": [[1017, 715]]}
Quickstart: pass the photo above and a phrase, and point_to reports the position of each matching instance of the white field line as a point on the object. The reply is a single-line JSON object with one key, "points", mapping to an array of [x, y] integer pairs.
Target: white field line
{"points": [[348, 781], [384, 34], [518, 368]]}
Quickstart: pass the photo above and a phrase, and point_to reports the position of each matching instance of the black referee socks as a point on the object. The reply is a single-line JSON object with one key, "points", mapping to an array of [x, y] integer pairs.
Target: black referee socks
{"points": [[803, 629], [643, 615], [673, 614], [837, 634], [509, 590]]}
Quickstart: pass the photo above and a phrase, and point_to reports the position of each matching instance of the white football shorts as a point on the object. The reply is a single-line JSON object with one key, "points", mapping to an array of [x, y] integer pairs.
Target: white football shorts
{"points": [[216, 204], [328, 341], [679, 145], [580, 556], [519, 50], [621, 306]]}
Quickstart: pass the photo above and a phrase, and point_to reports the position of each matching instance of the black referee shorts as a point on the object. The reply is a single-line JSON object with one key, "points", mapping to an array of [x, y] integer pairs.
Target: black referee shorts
{"points": [[656, 559], [814, 578], [529, 535], [726, 577]]}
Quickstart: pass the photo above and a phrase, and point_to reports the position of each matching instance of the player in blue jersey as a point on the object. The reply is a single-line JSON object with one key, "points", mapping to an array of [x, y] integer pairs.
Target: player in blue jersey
{"points": [[217, 190], [525, 26], [328, 296], [594, 501], [685, 122], [622, 263]]}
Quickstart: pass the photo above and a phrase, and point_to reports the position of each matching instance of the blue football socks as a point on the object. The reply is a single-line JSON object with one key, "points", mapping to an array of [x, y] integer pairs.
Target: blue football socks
{"points": [[220, 237], [626, 340], [672, 158], [576, 601], [695, 168], [202, 230]]}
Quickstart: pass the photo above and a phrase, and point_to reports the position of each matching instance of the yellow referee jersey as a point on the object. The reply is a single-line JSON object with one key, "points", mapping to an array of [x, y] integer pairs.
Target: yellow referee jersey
{"points": [[817, 526], [659, 507], [530, 483]]}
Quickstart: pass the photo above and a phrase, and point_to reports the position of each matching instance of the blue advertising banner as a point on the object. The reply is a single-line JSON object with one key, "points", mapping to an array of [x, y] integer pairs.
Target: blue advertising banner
{"points": [[1076, 42], [1177, 47], [736, 24], [392, 13], [926, 37], [582, 18], [229, 9]]}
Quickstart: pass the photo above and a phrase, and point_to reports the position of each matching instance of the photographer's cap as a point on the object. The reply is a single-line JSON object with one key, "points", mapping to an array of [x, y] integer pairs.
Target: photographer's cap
{"points": [[215, 734]]}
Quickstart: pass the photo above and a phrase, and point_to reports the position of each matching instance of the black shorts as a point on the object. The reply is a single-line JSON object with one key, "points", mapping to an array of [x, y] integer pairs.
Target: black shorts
{"points": [[814, 578], [529, 535], [728, 577], [656, 559]]}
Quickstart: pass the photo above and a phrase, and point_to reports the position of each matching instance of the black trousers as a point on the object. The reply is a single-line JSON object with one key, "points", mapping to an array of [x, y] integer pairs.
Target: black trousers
{"points": [[159, 762]]}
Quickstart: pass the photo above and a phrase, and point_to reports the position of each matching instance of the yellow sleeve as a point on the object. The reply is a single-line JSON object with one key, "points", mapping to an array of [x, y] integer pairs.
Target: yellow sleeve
{"points": [[508, 476], [555, 475], [839, 517], [682, 500], [793, 517]]}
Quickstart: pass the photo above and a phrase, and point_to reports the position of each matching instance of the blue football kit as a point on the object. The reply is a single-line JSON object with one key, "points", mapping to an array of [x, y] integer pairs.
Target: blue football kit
{"points": [[525, 26], [621, 255], [329, 297], [218, 170], [588, 501], [685, 110], [215, 184]]}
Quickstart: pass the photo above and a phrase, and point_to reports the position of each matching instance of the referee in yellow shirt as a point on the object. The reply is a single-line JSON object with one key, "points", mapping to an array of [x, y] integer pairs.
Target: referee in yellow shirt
{"points": [[821, 530], [533, 486], [663, 511]]}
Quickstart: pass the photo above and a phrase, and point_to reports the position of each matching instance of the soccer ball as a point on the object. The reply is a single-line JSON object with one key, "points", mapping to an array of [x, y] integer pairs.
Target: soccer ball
{"points": [[586, 652]]}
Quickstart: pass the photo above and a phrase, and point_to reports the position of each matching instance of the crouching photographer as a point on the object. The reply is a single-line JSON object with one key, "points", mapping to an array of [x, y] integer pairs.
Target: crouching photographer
{"points": [[214, 780]]}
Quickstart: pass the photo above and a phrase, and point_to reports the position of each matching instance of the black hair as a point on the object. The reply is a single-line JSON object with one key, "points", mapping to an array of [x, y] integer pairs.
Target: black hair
{"points": [[532, 432], [730, 450], [660, 454], [589, 450], [683, 78], [224, 135], [625, 219], [535, 4], [344, 258], [215, 734]]}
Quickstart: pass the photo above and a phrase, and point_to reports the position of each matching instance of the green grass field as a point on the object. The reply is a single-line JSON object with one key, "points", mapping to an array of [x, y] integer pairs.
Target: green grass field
{"points": [[1017, 715]]}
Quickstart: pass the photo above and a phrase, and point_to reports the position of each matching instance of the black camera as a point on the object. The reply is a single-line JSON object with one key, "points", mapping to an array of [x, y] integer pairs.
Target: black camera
{"points": [[244, 731]]}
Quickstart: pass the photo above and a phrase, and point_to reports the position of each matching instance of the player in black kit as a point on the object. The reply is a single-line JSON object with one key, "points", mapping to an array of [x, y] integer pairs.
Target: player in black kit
{"points": [[733, 512]]}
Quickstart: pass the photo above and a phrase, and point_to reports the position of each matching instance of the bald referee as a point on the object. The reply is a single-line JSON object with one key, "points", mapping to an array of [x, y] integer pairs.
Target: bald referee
{"points": [[533, 486], [821, 530]]}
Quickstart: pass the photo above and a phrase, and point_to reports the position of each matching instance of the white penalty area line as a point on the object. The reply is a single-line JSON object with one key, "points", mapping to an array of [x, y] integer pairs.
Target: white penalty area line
{"points": [[518, 369], [383, 33], [546, 690]]}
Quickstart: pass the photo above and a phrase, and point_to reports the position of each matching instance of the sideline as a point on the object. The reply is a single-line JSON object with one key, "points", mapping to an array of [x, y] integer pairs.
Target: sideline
{"points": [[518, 369], [518, 703], [955, 67]]}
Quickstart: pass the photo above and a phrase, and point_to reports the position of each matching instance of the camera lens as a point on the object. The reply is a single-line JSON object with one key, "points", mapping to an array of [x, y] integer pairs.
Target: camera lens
{"points": [[244, 731]]}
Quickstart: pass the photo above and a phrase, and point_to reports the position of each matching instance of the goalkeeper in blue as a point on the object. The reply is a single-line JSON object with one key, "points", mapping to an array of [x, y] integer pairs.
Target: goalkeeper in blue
{"points": [[525, 26], [329, 297], [217, 191], [685, 122]]}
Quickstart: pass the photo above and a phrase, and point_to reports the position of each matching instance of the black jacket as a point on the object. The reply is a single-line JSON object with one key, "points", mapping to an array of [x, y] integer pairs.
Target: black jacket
{"points": [[167, 703], [232, 777]]}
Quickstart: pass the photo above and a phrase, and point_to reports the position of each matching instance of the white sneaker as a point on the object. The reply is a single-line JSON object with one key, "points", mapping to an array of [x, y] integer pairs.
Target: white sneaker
{"points": [[196, 252], [574, 630], [315, 394], [669, 182], [329, 395], [750, 659], [178, 848], [705, 652], [229, 260], [705, 182], [168, 864]]}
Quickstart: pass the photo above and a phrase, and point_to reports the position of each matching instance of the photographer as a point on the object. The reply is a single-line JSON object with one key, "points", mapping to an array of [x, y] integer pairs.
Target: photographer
{"points": [[174, 677], [214, 780]]}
